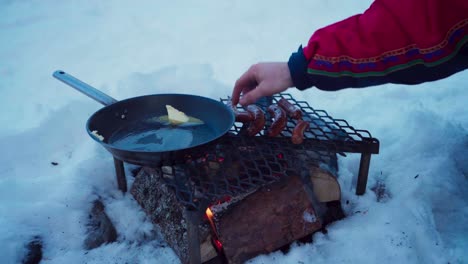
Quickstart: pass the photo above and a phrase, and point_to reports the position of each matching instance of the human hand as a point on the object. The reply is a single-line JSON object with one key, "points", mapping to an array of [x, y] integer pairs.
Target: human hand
{"points": [[262, 79]]}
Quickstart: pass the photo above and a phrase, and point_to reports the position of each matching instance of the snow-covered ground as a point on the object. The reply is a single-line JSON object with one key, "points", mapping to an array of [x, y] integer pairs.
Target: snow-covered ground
{"points": [[130, 48]]}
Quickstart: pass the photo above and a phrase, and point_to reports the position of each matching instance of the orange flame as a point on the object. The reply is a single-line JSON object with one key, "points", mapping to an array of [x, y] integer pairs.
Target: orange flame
{"points": [[210, 216], [209, 213]]}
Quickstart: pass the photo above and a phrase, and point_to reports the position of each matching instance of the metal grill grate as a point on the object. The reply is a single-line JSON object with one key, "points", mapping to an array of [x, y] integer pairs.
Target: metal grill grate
{"points": [[325, 132], [237, 164]]}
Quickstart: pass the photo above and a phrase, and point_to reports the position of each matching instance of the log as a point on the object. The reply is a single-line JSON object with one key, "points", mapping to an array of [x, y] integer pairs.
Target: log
{"points": [[33, 251], [325, 186], [160, 203], [100, 229], [266, 220], [259, 222]]}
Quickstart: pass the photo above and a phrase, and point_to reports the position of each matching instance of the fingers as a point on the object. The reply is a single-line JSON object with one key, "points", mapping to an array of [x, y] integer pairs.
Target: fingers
{"points": [[236, 94], [253, 95], [262, 79], [244, 84]]}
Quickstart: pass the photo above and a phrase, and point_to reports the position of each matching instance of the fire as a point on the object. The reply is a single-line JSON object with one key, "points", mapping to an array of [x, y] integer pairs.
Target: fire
{"points": [[210, 216], [209, 213], [215, 240]]}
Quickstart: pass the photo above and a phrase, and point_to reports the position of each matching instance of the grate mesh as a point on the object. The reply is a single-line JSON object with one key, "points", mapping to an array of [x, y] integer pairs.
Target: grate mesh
{"points": [[237, 164], [324, 133]]}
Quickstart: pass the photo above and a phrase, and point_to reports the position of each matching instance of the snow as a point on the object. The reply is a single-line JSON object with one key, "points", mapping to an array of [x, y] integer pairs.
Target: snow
{"points": [[201, 47]]}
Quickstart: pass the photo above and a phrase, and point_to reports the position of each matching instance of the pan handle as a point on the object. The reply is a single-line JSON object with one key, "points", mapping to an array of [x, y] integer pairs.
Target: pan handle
{"points": [[84, 88]]}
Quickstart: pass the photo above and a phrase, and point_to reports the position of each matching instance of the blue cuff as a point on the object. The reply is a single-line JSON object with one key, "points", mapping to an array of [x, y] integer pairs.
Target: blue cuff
{"points": [[298, 68]]}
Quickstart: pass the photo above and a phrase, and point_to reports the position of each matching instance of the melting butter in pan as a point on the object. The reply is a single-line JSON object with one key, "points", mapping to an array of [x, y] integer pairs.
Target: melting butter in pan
{"points": [[192, 120], [177, 117]]}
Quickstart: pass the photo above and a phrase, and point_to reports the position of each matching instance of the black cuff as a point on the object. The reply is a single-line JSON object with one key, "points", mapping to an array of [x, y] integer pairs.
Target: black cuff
{"points": [[298, 68]]}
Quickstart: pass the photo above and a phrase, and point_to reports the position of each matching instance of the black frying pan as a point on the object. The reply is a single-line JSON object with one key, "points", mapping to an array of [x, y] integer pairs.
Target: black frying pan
{"points": [[134, 133]]}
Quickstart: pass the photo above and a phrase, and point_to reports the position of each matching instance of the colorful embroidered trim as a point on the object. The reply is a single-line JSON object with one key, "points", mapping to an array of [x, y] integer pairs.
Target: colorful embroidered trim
{"points": [[395, 60]]}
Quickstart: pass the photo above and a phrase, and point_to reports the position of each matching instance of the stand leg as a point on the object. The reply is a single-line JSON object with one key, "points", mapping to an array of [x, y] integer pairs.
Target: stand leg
{"points": [[120, 173], [193, 236], [363, 173]]}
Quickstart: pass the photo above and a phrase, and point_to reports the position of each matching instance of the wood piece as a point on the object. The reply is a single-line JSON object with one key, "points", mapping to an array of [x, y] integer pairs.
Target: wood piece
{"points": [[272, 217], [100, 228], [248, 225], [325, 185], [161, 205], [33, 251], [207, 250]]}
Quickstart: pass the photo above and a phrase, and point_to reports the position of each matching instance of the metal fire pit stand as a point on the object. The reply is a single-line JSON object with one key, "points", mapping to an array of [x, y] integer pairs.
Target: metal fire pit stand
{"points": [[261, 160], [120, 174], [325, 134], [329, 135]]}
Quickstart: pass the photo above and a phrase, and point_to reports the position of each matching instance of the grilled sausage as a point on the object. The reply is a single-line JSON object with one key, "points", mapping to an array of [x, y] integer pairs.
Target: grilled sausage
{"points": [[292, 110], [279, 120], [298, 132], [259, 120], [241, 116]]}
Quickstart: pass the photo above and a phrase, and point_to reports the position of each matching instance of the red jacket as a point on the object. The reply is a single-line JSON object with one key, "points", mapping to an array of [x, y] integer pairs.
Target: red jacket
{"points": [[394, 41]]}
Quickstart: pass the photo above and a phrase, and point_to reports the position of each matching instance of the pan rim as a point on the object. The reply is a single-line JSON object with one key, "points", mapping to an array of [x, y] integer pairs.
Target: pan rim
{"points": [[111, 146]]}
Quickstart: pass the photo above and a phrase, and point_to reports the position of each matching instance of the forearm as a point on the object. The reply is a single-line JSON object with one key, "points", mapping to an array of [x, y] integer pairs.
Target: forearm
{"points": [[406, 42]]}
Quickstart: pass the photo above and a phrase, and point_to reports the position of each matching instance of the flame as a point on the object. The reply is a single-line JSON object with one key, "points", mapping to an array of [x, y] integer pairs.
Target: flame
{"points": [[216, 242], [218, 245], [209, 213], [210, 216]]}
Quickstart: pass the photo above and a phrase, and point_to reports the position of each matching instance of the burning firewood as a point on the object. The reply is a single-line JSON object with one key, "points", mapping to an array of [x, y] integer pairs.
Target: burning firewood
{"points": [[262, 221]]}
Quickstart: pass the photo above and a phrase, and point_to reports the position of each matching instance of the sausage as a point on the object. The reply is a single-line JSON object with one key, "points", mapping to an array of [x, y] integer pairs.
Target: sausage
{"points": [[243, 117], [279, 120], [259, 120], [298, 132], [292, 110]]}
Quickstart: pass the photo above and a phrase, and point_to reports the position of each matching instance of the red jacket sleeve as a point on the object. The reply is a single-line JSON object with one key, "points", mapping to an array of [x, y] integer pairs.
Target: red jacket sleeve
{"points": [[394, 41]]}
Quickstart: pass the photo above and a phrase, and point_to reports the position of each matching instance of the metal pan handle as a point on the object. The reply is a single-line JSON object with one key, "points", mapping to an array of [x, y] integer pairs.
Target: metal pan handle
{"points": [[84, 88]]}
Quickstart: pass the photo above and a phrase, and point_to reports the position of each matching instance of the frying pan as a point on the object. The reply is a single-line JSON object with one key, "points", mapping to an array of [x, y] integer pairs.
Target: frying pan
{"points": [[133, 131]]}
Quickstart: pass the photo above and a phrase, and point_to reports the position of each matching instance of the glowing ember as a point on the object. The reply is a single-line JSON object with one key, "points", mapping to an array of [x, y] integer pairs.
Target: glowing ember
{"points": [[218, 244]]}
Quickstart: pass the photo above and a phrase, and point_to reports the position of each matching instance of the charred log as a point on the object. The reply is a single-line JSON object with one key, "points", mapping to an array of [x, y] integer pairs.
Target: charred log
{"points": [[261, 221], [160, 203]]}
